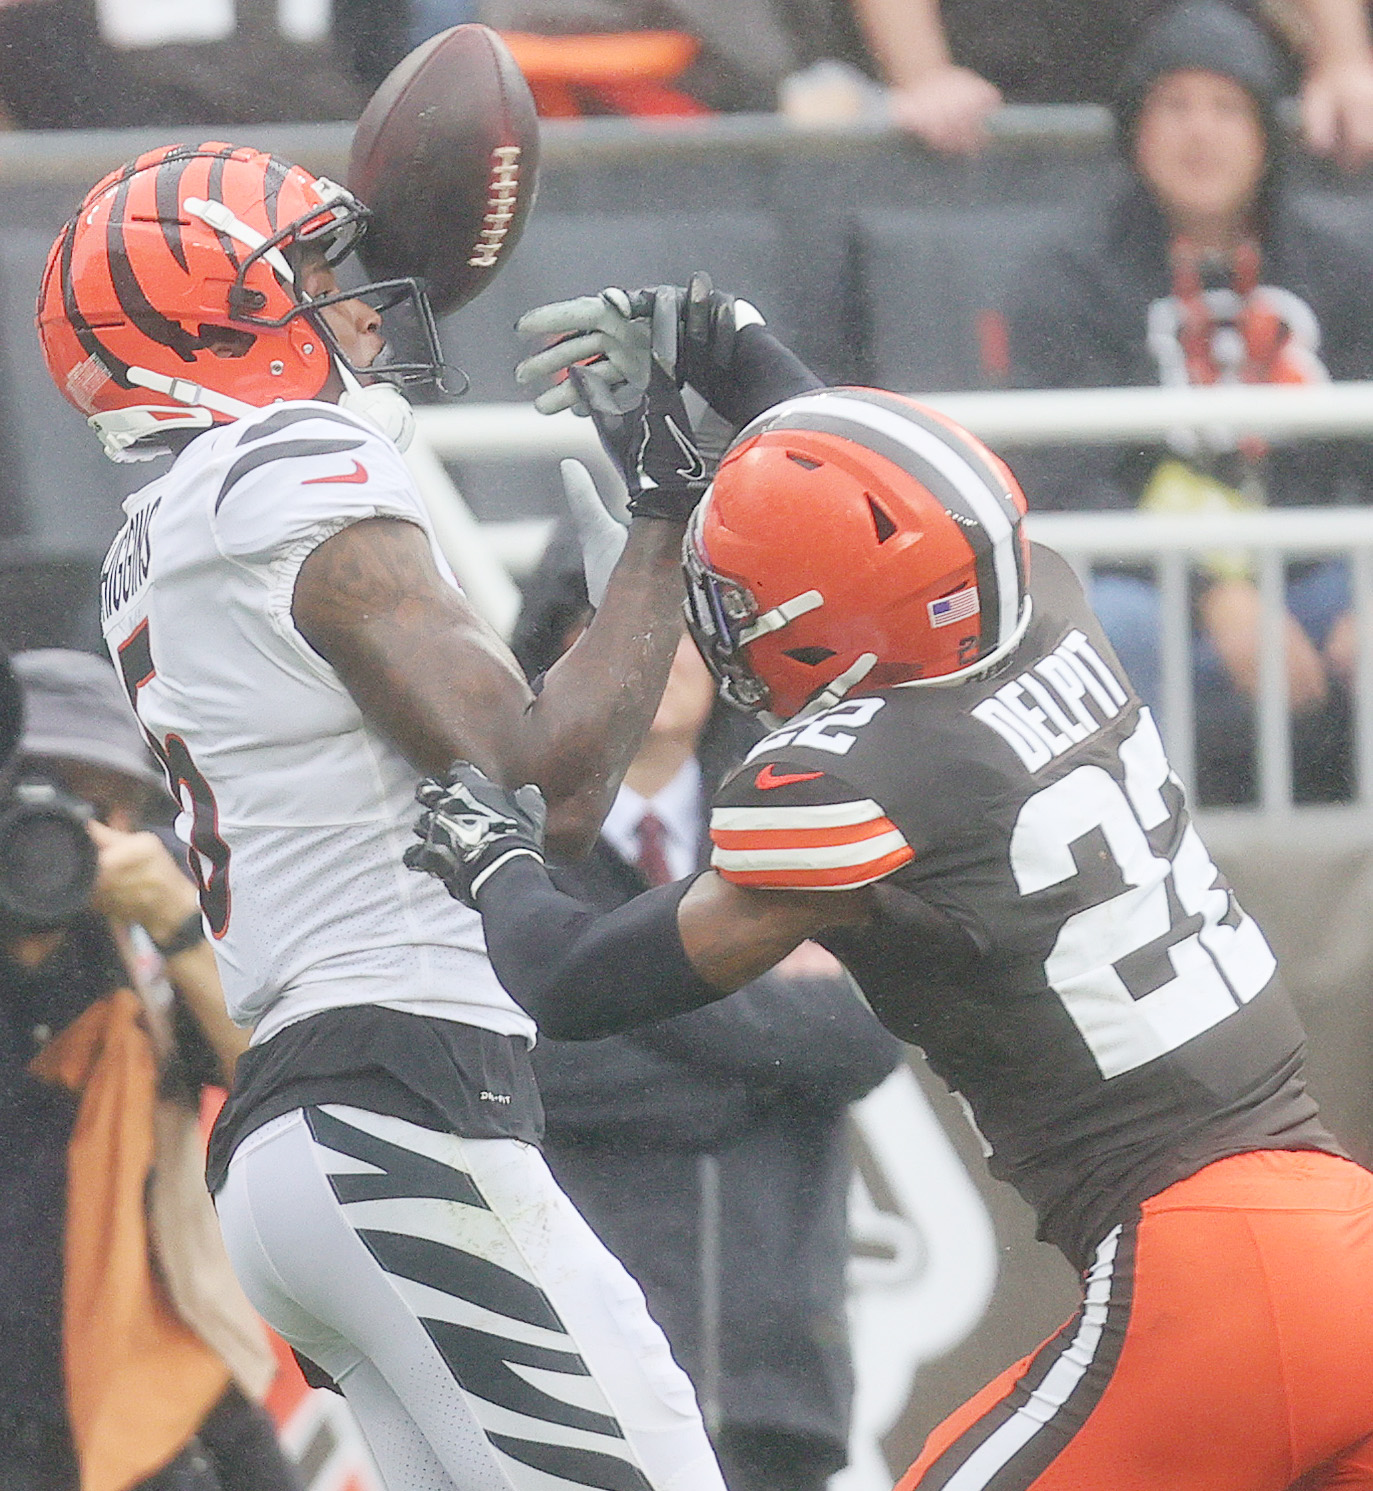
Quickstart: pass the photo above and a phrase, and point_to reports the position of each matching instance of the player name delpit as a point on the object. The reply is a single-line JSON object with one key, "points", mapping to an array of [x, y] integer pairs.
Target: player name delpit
{"points": [[1051, 707]]}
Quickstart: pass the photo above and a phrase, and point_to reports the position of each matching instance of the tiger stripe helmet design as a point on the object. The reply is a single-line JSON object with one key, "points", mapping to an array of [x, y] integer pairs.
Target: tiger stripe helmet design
{"points": [[854, 536], [169, 301]]}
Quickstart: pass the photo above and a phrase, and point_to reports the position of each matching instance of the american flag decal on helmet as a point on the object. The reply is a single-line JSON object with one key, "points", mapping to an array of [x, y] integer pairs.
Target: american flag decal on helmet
{"points": [[956, 607]]}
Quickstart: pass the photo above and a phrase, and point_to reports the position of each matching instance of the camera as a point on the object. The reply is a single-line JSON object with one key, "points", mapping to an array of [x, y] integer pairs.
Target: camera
{"points": [[47, 860]]}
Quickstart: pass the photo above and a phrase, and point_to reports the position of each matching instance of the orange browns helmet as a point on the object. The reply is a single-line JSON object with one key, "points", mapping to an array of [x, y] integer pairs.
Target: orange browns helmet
{"points": [[854, 537], [171, 251]]}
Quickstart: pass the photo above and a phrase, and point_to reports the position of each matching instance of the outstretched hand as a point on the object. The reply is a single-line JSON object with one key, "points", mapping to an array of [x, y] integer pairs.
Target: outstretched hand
{"points": [[616, 336], [470, 827], [600, 535], [607, 335]]}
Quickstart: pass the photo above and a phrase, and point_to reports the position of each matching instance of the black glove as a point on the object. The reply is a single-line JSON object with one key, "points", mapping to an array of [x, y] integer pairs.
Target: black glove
{"points": [[470, 827], [652, 445], [721, 347], [708, 321]]}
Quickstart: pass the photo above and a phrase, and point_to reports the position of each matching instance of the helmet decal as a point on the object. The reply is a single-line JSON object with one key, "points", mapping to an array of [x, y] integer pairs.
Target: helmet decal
{"points": [[954, 469], [854, 538]]}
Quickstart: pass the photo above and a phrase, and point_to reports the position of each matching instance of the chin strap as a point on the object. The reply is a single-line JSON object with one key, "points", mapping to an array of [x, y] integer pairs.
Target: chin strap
{"points": [[780, 616], [131, 434], [380, 404], [128, 434], [191, 394], [834, 691]]}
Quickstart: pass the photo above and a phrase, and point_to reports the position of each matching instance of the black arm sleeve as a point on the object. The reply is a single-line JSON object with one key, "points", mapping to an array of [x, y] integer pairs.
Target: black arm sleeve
{"points": [[582, 974], [762, 372], [811, 1034]]}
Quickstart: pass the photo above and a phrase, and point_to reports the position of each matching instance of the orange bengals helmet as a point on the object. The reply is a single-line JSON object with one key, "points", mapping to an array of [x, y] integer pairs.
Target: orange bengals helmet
{"points": [[173, 254], [853, 536]]}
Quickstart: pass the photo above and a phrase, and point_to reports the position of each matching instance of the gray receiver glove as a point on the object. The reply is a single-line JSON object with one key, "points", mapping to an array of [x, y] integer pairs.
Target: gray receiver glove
{"points": [[616, 336], [470, 827], [600, 535]]}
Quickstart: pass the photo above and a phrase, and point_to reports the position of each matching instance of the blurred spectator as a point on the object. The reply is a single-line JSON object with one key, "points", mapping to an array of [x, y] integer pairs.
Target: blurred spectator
{"points": [[747, 48], [731, 1117], [952, 62], [131, 1357], [98, 64], [1204, 269]]}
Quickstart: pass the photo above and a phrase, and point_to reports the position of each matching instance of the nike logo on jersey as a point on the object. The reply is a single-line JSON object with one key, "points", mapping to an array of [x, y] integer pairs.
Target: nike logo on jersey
{"points": [[771, 777], [358, 474]]}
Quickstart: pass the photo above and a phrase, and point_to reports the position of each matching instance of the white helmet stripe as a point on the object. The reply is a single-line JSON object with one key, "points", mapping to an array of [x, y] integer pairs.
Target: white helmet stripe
{"points": [[965, 478], [223, 220]]}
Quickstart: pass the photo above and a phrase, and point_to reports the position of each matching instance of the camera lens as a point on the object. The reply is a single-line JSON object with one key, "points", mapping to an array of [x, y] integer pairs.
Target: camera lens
{"points": [[47, 860]]}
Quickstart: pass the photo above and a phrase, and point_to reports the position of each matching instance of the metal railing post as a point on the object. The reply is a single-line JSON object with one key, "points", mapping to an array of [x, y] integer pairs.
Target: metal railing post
{"points": [[1179, 721], [1273, 737], [1361, 576], [1168, 542]]}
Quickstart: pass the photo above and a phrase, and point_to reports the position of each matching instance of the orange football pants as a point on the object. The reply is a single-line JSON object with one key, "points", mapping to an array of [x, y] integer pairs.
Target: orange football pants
{"points": [[1225, 1343]]}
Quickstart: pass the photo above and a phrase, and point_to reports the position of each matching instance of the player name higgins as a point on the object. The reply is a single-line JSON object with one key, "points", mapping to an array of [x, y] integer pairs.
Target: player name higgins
{"points": [[1051, 708], [126, 565]]}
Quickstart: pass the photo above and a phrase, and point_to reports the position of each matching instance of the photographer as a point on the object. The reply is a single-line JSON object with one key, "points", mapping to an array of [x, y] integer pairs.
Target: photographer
{"points": [[131, 1355]]}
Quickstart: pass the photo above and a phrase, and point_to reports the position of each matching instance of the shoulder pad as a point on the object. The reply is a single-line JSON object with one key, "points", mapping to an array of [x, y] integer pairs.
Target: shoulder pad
{"points": [[299, 468]]}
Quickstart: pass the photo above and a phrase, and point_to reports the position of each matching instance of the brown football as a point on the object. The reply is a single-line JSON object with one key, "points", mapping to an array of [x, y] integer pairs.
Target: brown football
{"points": [[446, 155]]}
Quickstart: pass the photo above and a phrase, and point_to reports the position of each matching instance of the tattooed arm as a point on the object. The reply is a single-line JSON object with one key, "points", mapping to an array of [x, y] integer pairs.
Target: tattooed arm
{"points": [[429, 673]]}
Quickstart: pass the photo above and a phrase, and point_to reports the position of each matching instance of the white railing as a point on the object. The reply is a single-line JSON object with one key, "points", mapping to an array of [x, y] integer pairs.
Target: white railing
{"points": [[487, 556]]}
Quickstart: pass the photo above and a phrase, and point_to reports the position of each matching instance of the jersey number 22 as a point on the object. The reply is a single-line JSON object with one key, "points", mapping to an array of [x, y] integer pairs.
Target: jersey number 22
{"points": [[1166, 955]]}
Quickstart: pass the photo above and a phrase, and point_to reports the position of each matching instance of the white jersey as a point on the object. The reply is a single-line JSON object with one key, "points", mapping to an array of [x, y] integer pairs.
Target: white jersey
{"points": [[296, 811]]}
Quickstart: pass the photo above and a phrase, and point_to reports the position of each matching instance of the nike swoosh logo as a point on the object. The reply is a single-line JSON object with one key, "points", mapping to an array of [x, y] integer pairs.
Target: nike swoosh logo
{"points": [[358, 474], [770, 777], [695, 468]]}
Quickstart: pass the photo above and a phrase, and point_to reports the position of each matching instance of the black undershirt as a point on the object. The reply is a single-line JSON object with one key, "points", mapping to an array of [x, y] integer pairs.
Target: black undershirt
{"points": [[440, 1074]]}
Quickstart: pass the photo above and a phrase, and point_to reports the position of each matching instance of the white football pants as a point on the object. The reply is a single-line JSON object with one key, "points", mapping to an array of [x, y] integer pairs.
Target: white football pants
{"points": [[483, 1335]]}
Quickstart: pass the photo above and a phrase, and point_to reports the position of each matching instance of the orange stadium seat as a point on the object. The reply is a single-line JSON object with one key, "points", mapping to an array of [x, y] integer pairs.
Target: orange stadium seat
{"points": [[622, 72]]}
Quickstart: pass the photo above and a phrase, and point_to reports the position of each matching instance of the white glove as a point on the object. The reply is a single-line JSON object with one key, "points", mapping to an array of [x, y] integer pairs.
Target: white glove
{"points": [[604, 334], [616, 335], [600, 535]]}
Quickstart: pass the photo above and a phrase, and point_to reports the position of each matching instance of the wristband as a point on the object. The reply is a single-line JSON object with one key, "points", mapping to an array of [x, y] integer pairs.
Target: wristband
{"points": [[673, 504], [186, 936]]}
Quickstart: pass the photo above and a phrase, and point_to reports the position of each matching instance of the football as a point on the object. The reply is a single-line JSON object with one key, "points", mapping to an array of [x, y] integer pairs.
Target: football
{"points": [[446, 154]]}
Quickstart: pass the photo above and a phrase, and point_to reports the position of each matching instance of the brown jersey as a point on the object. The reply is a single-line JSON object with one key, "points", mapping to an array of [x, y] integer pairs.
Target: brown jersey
{"points": [[1054, 934]]}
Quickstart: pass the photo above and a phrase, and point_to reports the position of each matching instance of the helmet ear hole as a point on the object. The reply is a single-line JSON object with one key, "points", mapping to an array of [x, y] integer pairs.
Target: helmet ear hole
{"points": [[881, 521], [812, 657], [225, 341]]}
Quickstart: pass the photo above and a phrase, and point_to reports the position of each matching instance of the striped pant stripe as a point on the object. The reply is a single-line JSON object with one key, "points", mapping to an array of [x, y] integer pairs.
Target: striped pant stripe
{"points": [[1011, 1446]]}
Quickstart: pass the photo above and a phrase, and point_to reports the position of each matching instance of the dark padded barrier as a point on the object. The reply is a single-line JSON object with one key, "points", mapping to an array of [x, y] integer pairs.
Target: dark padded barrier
{"points": [[66, 492], [871, 257], [571, 253], [924, 281]]}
